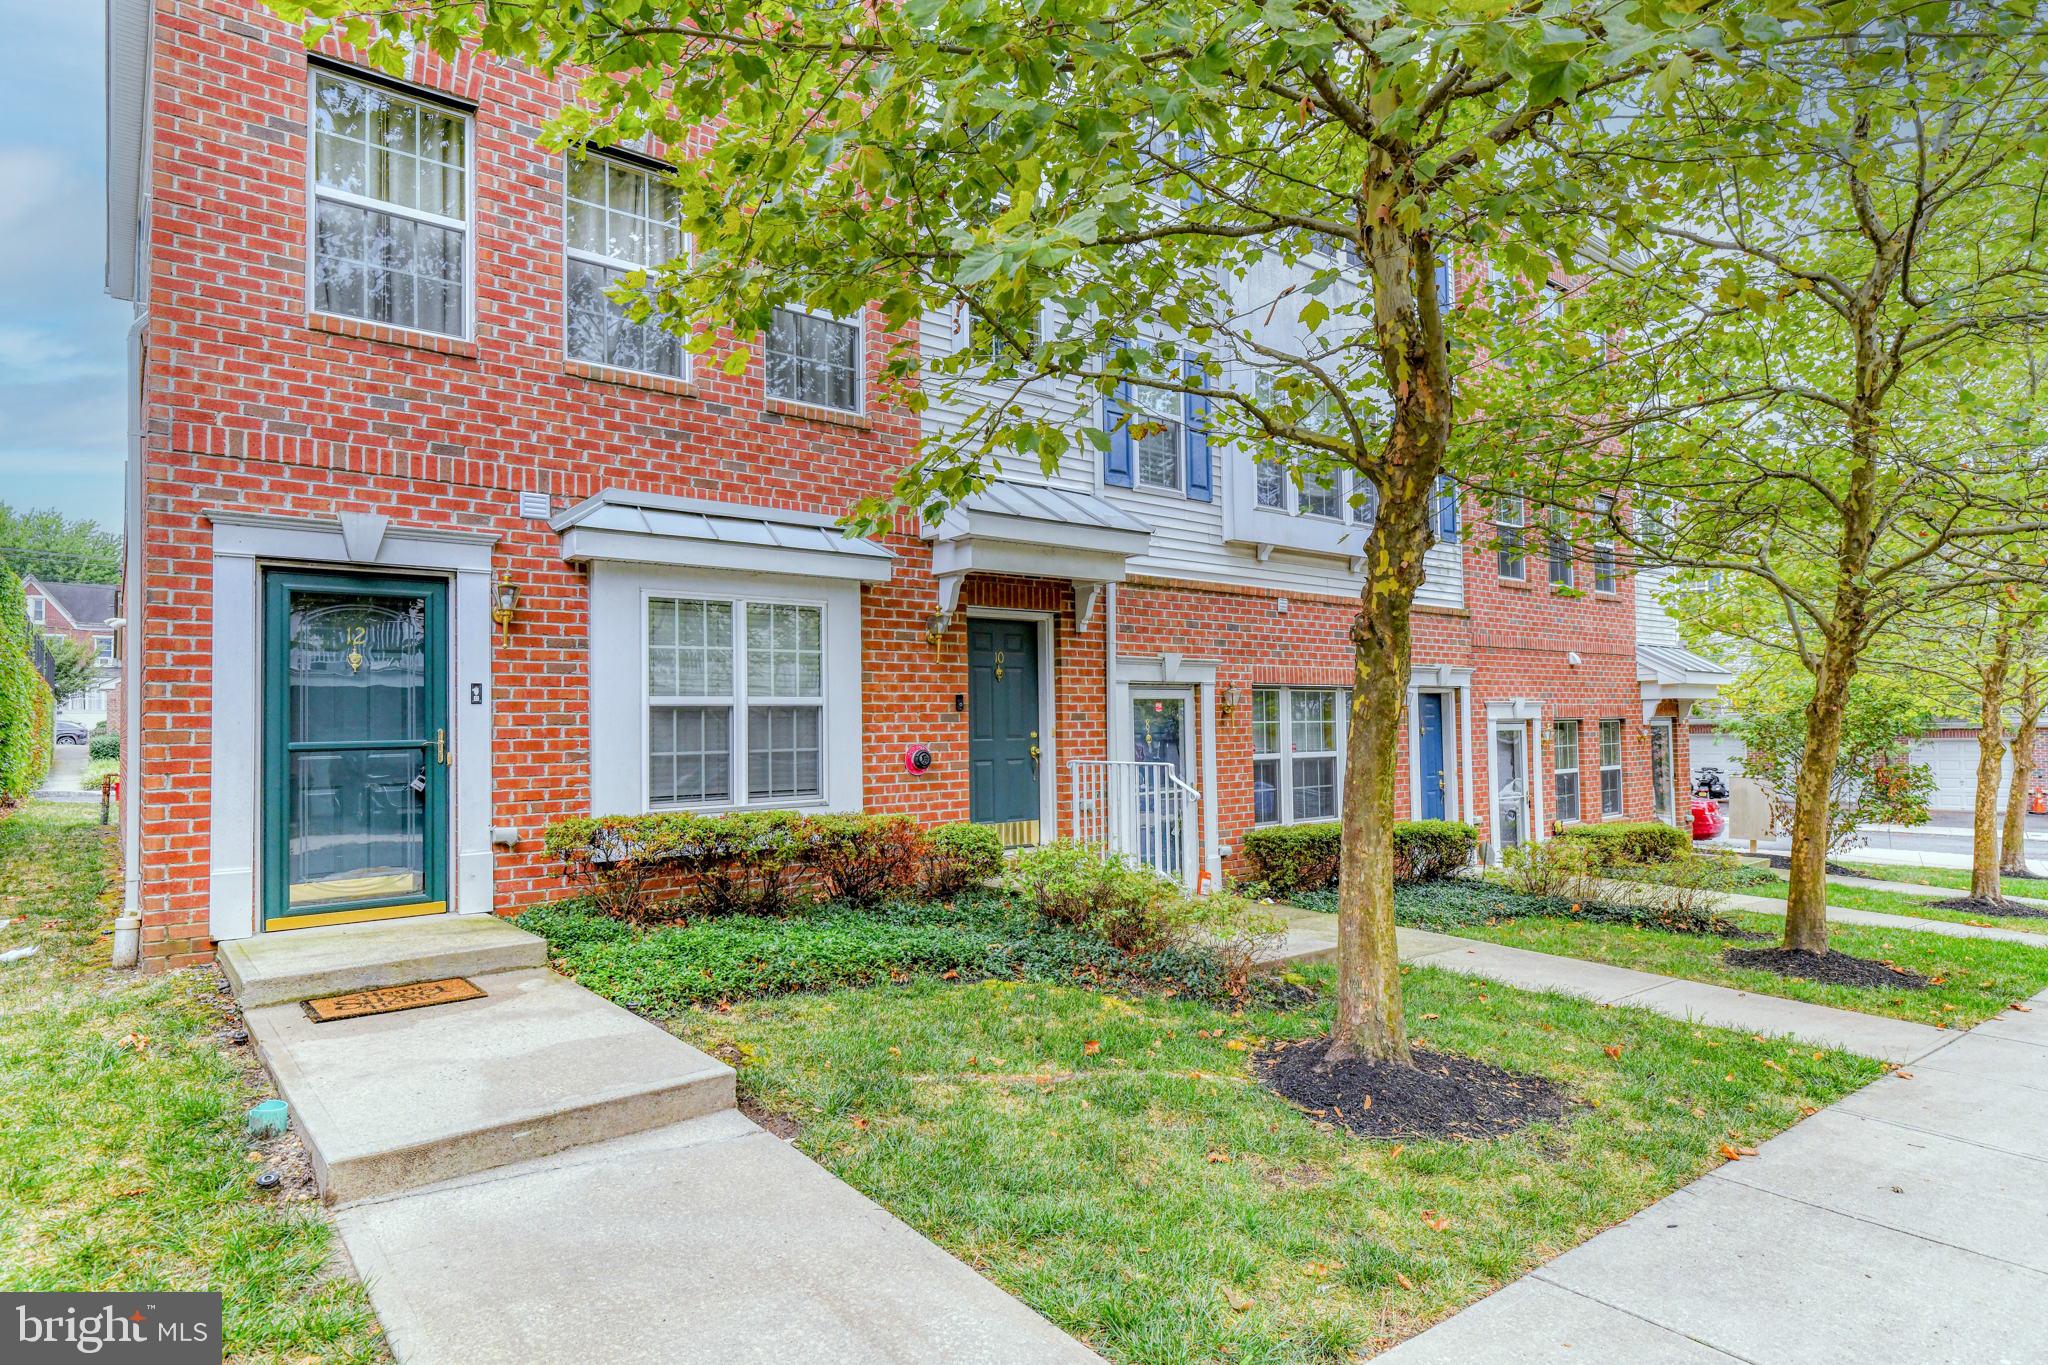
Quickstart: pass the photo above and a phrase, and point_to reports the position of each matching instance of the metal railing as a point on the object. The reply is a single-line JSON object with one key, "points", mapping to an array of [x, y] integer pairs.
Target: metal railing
{"points": [[1143, 811]]}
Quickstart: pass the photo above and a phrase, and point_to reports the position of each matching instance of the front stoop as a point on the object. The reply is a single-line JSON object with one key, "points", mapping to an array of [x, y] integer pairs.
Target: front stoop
{"points": [[391, 1102], [274, 969]]}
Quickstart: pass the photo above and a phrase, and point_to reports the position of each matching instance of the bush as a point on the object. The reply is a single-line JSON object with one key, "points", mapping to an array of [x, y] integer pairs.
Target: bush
{"points": [[1235, 931], [104, 745], [612, 856], [1558, 869], [26, 706], [1078, 885], [1287, 859], [1463, 902], [957, 857], [861, 859], [1630, 843]]}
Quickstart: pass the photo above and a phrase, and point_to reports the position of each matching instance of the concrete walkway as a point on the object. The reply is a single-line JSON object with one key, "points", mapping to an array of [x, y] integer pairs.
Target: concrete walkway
{"points": [[67, 765], [1312, 937], [1907, 1225], [1928, 893], [1914, 924], [539, 1175]]}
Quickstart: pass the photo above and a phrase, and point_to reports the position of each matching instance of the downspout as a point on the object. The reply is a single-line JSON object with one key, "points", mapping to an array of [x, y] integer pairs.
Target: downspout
{"points": [[1109, 673], [132, 609]]}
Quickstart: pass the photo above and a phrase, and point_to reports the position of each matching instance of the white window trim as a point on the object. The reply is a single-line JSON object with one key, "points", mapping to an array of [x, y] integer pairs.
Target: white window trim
{"points": [[570, 253], [1577, 770], [1520, 526], [619, 763], [1556, 539], [38, 611], [860, 362], [1287, 754], [1619, 768], [315, 193], [1137, 414]]}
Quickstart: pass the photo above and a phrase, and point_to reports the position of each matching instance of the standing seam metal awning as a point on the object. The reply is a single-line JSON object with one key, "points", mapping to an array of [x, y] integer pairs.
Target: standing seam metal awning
{"points": [[1035, 531], [650, 528]]}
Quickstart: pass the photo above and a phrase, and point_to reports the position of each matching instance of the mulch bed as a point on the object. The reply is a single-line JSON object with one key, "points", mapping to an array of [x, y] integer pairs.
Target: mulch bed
{"points": [[1783, 863], [1830, 967], [1442, 1096], [2009, 909]]}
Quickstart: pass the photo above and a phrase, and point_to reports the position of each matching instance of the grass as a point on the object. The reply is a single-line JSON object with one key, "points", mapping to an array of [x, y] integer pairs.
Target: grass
{"points": [[121, 1164], [1106, 1157], [97, 771], [1899, 903], [1977, 978], [1953, 878]]}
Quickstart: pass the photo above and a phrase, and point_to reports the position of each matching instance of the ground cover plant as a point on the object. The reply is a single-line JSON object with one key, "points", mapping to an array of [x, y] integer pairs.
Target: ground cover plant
{"points": [[122, 1164], [1108, 1159]]}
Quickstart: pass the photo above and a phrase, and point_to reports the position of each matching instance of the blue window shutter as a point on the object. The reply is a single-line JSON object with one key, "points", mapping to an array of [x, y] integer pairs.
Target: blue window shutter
{"points": [[1446, 508], [1117, 464], [1195, 414], [1443, 285]]}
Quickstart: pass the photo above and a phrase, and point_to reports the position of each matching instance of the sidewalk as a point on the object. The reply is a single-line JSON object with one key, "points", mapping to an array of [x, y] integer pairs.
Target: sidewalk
{"points": [[1907, 1224], [1312, 936]]}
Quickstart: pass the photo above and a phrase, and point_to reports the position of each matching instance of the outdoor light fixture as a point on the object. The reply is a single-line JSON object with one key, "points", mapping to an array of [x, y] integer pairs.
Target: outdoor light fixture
{"points": [[504, 602], [1226, 700], [935, 628]]}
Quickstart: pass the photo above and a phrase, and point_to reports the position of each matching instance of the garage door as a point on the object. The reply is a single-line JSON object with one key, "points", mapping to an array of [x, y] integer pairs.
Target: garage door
{"points": [[1717, 751], [1954, 764]]}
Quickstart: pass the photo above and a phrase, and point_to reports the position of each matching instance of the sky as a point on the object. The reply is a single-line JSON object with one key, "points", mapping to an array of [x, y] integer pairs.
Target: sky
{"points": [[63, 347]]}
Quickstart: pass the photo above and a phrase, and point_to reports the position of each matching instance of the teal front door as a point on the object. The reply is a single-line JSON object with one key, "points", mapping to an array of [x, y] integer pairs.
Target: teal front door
{"points": [[355, 748], [1003, 745]]}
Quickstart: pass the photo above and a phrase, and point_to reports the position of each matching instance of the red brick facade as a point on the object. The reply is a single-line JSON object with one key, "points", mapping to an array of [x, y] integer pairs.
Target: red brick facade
{"points": [[254, 405]]}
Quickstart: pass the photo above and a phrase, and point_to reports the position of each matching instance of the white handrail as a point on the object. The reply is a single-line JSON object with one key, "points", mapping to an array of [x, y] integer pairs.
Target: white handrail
{"points": [[1143, 811]]}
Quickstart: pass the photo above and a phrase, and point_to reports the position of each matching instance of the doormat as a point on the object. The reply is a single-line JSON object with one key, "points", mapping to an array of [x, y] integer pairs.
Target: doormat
{"points": [[391, 999]]}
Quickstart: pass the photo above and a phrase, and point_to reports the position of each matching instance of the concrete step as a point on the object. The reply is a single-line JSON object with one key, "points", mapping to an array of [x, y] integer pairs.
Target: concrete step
{"points": [[392, 1102], [705, 1243], [273, 969]]}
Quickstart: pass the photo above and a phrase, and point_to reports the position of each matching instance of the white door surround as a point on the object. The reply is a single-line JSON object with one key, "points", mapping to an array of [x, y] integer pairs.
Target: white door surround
{"points": [[1522, 720], [244, 545], [1456, 686], [1168, 670]]}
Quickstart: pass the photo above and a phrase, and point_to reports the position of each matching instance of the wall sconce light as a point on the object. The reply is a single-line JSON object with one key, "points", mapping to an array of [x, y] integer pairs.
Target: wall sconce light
{"points": [[504, 602], [1226, 700], [935, 628]]}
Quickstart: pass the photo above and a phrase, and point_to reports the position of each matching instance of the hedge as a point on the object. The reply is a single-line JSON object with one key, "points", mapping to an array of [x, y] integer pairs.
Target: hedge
{"points": [[105, 744], [1285, 859], [753, 861], [26, 706], [1630, 843]]}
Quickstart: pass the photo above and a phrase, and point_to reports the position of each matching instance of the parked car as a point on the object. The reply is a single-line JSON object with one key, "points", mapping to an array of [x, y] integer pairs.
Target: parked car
{"points": [[1707, 820], [71, 732]]}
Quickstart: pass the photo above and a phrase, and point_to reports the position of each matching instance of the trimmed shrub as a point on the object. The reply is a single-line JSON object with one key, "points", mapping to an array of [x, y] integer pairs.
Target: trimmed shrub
{"points": [[1630, 843], [613, 856], [103, 746], [26, 706], [862, 859], [1287, 859], [957, 857], [1083, 887], [741, 860]]}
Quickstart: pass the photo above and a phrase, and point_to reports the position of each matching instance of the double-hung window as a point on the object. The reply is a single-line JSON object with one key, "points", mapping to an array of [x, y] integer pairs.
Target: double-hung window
{"points": [[390, 207], [1559, 551], [814, 360], [1507, 533], [1610, 767], [36, 610], [1157, 433], [1565, 750], [103, 649], [1603, 551], [622, 219], [1296, 740], [735, 702]]}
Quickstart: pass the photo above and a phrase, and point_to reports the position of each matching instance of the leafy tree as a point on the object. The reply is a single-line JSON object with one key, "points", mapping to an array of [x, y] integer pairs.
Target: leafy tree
{"points": [[76, 670], [1826, 272], [2030, 702], [56, 548], [1242, 206]]}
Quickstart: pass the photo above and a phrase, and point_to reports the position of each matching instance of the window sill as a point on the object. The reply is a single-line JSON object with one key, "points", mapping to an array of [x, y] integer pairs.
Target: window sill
{"points": [[805, 412], [391, 336], [1519, 584], [631, 379]]}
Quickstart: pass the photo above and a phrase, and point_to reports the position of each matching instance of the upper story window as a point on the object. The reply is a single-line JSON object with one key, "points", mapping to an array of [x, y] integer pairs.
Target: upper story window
{"points": [[987, 341], [36, 610], [814, 360], [1512, 561], [1157, 429], [1560, 552], [103, 649], [1158, 438], [620, 219], [1603, 551], [390, 207], [1322, 493]]}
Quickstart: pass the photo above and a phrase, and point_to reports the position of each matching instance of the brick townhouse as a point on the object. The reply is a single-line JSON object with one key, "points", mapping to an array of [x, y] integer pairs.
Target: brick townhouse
{"points": [[431, 547], [85, 614]]}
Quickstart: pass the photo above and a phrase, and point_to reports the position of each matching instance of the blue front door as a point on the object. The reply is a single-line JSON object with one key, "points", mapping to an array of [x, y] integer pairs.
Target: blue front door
{"points": [[1429, 753]]}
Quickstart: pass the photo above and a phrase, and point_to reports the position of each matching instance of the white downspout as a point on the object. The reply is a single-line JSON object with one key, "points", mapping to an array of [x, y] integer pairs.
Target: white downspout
{"points": [[1108, 673], [133, 609]]}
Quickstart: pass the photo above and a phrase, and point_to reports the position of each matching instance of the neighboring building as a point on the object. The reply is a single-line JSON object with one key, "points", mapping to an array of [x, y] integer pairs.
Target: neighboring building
{"points": [[85, 613], [379, 394]]}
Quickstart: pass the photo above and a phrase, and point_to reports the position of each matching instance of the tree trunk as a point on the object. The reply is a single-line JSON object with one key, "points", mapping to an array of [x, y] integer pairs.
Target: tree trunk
{"points": [[1408, 326], [2013, 847], [1990, 749], [1806, 905]]}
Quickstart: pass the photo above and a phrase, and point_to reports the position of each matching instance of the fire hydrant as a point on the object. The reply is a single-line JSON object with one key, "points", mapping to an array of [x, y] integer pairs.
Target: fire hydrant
{"points": [[2037, 801]]}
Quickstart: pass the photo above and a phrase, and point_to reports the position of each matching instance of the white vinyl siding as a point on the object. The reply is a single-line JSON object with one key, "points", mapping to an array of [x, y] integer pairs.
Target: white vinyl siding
{"points": [[390, 228], [621, 219]]}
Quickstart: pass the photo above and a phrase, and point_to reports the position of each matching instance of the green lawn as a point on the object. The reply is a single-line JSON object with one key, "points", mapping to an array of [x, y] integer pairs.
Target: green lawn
{"points": [[1899, 903], [121, 1164], [1955, 878], [1978, 977], [1107, 1158]]}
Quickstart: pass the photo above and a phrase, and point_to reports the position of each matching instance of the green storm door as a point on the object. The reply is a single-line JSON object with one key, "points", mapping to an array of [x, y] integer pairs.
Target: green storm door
{"points": [[355, 748]]}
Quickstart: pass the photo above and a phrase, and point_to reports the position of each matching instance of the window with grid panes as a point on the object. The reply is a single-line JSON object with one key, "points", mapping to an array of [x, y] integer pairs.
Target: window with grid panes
{"points": [[736, 705], [1565, 760], [1610, 767], [621, 219]]}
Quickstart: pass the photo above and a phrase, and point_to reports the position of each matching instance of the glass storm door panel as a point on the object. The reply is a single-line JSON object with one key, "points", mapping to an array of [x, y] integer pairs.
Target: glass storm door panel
{"points": [[1429, 768], [1660, 768], [356, 757], [1003, 745], [1160, 734], [1511, 787]]}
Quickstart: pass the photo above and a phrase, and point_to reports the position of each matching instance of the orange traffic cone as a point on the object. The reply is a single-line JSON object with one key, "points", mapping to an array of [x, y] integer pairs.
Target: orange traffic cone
{"points": [[2037, 802]]}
